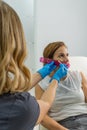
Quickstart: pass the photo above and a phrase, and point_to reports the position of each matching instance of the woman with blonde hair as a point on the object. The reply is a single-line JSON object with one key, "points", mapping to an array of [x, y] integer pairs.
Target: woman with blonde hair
{"points": [[18, 109]]}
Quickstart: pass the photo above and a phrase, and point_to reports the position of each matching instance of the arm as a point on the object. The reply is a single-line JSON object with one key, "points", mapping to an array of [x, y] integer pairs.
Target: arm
{"points": [[35, 79], [47, 122], [48, 96], [41, 73], [51, 124], [46, 99], [84, 85]]}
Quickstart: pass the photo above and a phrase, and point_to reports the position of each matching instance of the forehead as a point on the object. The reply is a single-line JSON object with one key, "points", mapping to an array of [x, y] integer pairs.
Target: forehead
{"points": [[61, 49]]}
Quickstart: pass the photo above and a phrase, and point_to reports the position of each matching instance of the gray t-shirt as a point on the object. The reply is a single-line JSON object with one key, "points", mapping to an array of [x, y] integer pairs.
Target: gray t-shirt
{"points": [[18, 111], [69, 99]]}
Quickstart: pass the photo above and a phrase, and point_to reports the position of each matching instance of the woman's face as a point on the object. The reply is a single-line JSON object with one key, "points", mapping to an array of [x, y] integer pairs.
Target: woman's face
{"points": [[62, 55]]}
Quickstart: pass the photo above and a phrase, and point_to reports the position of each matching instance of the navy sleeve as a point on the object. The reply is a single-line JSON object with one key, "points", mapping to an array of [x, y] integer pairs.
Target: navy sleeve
{"points": [[34, 110]]}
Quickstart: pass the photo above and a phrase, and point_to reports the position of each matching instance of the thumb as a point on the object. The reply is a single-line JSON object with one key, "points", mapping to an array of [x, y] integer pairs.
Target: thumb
{"points": [[61, 65], [51, 63]]}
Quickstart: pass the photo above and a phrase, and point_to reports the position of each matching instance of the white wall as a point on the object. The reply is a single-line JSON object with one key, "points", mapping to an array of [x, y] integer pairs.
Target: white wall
{"points": [[61, 20]]}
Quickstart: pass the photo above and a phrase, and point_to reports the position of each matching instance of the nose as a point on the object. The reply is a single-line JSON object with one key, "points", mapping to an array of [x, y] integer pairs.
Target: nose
{"points": [[66, 59]]}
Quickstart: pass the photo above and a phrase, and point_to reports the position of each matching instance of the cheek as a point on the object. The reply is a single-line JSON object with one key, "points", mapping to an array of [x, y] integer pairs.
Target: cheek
{"points": [[55, 57]]}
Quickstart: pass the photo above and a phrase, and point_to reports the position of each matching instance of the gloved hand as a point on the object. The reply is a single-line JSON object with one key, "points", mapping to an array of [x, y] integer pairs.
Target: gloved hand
{"points": [[47, 69], [60, 73]]}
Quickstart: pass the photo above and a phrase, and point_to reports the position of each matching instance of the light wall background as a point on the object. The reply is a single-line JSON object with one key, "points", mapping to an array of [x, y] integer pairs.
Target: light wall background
{"points": [[64, 20]]}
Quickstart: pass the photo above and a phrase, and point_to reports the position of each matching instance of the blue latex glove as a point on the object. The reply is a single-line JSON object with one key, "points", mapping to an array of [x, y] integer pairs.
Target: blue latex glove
{"points": [[47, 69], [60, 73]]}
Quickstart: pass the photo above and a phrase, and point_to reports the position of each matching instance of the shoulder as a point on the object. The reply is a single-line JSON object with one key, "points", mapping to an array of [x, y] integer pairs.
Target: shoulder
{"points": [[28, 106], [21, 104], [23, 101], [84, 77], [75, 73], [26, 98]]}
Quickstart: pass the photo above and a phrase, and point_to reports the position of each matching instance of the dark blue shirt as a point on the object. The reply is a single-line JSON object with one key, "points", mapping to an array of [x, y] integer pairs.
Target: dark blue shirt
{"points": [[18, 111]]}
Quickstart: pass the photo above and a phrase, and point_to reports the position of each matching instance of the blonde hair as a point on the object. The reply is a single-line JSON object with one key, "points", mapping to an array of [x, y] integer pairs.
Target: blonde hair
{"points": [[14, 75]]}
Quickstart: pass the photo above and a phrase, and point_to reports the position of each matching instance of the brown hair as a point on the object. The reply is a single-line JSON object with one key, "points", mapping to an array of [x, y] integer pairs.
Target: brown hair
{"points": [[50, 49], [14, 75]]}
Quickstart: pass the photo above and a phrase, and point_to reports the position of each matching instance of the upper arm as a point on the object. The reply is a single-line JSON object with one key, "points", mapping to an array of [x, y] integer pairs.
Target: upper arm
{"points": [[44, 107], [38, 91], [84, 79], [84, 85]]}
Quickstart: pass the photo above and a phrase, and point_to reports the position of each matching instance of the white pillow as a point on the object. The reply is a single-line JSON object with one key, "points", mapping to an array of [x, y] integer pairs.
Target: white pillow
{"points": [[78, 63]]}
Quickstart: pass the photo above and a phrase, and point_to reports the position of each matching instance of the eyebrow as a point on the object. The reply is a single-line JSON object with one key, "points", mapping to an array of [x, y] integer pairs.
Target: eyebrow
{"points": [[62, 53]]}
